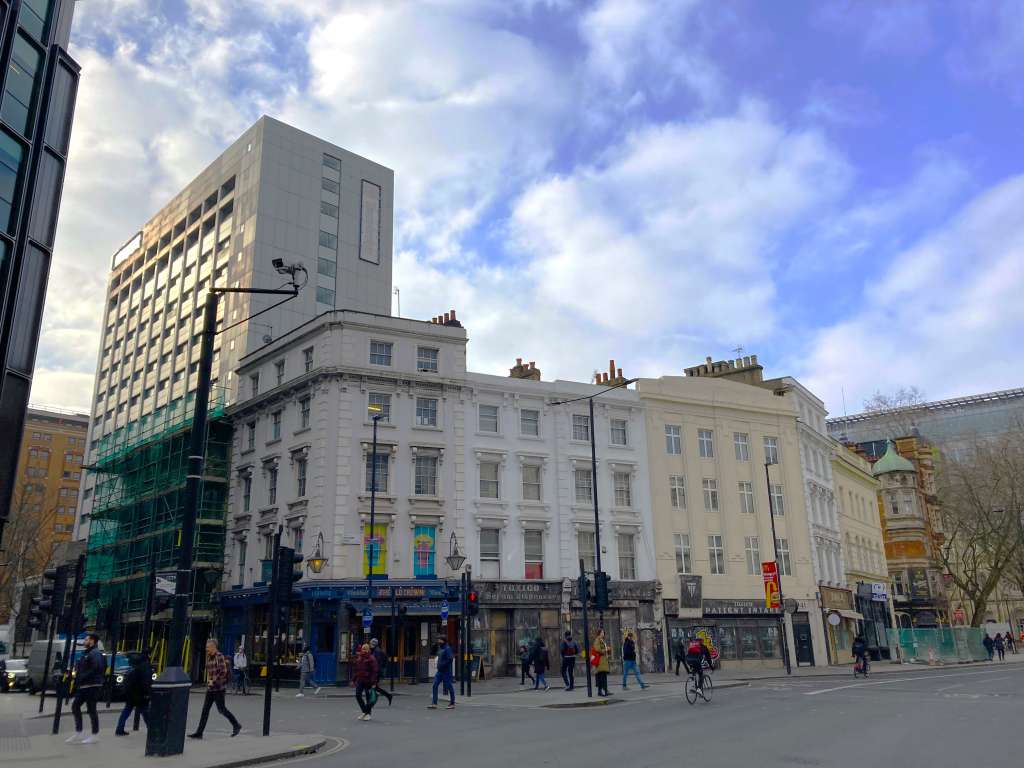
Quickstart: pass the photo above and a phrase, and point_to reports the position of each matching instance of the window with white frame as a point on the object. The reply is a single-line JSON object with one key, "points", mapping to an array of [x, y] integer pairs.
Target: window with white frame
{"points": [[673, 439], [746, 497], [716, 555], [275, 425], [580, 427], [304, 409], [741, 443], [771, 450], [706, 443], [426, 412], [710, 487], [490, 487], [279, 372], [684, 559], [426, 359], [426, 475], [533, 554], [380, 352], [627, 555], [752, 549], [623, 489], [782, 554], [490, 553], [586, 544], [778, 500], [246, 493], [487, 418], [583, 480], [381, 461], [529, 422], [677, 491], [619, 432], [383, 402], [531, 482], [300, 477], [272, 486]]}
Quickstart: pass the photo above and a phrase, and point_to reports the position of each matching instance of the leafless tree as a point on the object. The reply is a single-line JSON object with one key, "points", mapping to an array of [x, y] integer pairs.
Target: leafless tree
{"points": [[981, 495], [896, 410], [27, 548]]}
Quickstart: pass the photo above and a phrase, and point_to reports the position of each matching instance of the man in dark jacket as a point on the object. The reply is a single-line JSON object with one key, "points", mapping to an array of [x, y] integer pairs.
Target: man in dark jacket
{"points": [[860, 653], [541, 662], [382, 664], [680, 654], [569, 650], [88, 681], [137, 686], [629, 661], [443, 676]]}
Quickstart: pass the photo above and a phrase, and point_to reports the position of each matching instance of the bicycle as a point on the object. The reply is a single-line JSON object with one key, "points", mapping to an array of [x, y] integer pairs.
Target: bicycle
{"points": [[692, 691], [861, 667]]}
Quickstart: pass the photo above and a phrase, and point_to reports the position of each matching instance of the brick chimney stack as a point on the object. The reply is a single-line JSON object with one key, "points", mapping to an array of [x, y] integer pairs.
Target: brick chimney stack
{"points": [[612, 377], [448, 318], [524, 371]]}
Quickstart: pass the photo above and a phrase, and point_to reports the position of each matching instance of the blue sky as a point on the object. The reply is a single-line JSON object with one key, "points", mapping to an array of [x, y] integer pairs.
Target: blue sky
{"points": [[834, 186]]}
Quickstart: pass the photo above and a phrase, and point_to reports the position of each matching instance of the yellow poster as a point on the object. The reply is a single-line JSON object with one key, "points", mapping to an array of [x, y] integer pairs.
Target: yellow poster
{"points": [[375, 545]]}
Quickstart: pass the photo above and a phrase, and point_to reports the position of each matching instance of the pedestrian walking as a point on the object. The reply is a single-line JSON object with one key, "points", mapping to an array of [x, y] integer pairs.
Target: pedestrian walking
{"points": [[382, 664], [629, 662], [137, 686], [443, 676], [680, 654], [541, 662], [1011, 644], [524, 664], [599, 660], [1000, 646], [989, 644], [241, 670], [89, 673], [307, 666], [216, 684], [364, 672], [569, 650]]}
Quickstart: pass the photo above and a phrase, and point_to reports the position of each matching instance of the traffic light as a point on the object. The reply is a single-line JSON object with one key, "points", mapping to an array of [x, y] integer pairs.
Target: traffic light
{"points": [[286, 573], [472, 603], [584, 589], [50, 601], [601, 580]]}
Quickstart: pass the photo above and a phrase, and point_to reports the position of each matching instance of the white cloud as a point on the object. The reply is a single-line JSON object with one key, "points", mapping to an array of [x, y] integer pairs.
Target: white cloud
{"points": [[946, 315]]}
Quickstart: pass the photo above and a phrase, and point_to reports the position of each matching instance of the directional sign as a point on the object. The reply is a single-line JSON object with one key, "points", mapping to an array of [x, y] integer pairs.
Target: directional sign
{"points": [[367, 618], [444, 609]]}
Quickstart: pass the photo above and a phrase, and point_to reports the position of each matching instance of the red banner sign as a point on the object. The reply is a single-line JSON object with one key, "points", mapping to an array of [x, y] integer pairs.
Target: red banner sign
{"points": [[770, 574]]}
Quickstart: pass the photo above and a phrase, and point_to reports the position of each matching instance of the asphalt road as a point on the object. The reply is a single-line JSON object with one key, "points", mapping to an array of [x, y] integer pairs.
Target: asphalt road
{"points": [[970, 716]]}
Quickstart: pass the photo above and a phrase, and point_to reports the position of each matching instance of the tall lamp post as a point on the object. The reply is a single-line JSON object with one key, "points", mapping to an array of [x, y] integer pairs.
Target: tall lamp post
{"points": [[455, 560], [372, 550], [598, 573], [778, 570], [169, 701]]}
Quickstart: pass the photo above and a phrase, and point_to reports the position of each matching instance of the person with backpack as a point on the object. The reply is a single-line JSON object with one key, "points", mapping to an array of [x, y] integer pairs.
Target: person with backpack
{"points": [[629, 662], [569, 650], [1000, 646], [524, 664], [307, 665], [382, 665], [89, 672], [541, 662], [696, 654], [137, 686], [989, 644], [364, 673]]}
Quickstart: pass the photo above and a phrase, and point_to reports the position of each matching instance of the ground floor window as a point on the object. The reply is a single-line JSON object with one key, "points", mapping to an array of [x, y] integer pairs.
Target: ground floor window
{"points": [[748, 638]]}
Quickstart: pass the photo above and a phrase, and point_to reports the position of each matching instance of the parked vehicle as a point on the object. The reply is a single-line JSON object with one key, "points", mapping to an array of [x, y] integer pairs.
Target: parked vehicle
{"points": [[16, 671]]}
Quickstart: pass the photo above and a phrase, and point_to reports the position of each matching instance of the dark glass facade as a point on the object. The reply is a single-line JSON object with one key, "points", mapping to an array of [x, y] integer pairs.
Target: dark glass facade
{"points": [[38, 86]]}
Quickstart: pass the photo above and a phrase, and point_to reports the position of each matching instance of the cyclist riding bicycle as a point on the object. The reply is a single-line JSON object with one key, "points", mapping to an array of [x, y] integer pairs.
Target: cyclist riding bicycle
{"points": [[860, 653], [696, 652]]}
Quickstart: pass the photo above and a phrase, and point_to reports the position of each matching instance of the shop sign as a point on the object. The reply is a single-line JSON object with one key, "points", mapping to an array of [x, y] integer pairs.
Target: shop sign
{"points": [[919, 587], [836, 599], [772, 590], [519, 592], [756, 607], [879, 592], [690, 591], [631, 590]]}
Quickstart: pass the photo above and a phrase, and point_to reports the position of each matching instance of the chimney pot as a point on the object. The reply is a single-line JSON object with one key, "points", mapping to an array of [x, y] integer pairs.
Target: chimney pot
{"points": [[447, 317], [618, 373], [519, 361], [533, 364], [753, 359], [452, 313]]}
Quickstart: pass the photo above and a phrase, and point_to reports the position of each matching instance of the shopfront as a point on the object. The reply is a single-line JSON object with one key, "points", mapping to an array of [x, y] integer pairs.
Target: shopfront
{"points": [[746, 631], [327, 616], [841, 623], [872, 602]]}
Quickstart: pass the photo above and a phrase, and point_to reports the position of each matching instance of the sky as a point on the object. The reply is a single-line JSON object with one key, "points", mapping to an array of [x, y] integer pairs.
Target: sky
{"points": [[836, 187]]}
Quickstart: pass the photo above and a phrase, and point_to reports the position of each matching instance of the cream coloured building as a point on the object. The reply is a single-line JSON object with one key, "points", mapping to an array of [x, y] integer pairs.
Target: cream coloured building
{"points": [[708, 438], [856, 492]]}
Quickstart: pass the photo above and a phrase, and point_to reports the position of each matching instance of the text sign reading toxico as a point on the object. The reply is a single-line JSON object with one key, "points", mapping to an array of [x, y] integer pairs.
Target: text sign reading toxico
{"points": [[770, 574]]}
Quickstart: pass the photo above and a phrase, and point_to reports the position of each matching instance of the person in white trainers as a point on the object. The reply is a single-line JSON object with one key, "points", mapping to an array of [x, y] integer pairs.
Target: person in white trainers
{"points": [[364, 674], [307, 665], [88, 680]]}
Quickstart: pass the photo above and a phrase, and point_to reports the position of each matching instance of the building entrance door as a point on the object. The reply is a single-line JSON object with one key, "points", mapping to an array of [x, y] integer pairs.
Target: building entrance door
{"points": [[802, 638]]}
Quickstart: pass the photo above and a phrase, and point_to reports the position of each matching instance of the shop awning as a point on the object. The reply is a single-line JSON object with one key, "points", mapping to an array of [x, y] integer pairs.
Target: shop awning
{"points": [[851, 615]]}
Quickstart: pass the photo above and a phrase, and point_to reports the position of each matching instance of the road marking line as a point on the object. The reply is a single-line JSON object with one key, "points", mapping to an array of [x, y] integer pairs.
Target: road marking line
{"points": [[905, 679]]}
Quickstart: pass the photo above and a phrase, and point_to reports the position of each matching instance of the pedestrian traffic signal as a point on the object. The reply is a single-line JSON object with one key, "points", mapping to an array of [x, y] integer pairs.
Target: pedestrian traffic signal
{"points": [[601, 580], [472, 603], [36, 617]]}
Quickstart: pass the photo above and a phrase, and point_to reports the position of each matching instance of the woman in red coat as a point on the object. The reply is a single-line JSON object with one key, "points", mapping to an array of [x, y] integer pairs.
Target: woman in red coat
{"points": [[364, 673]]}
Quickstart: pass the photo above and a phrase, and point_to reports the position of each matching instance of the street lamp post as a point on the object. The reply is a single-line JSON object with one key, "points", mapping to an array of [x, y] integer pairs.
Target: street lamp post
{"points": [[169, 701], [455, 560], [376, 412], [778, 570]]}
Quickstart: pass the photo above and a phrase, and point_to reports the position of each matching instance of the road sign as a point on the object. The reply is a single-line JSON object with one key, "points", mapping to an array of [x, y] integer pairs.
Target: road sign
{"points": [[879, 592], [772, 591], [165, 582], [367, 618], [444, 610]]}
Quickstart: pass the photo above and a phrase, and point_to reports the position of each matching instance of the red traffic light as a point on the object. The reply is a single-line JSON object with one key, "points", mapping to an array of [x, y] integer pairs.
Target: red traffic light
{"points": [[472, 603]]}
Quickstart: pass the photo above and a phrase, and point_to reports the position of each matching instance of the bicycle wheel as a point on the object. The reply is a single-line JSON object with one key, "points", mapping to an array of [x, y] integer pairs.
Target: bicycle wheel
{"points": [[691, 690], [706, 691]]}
